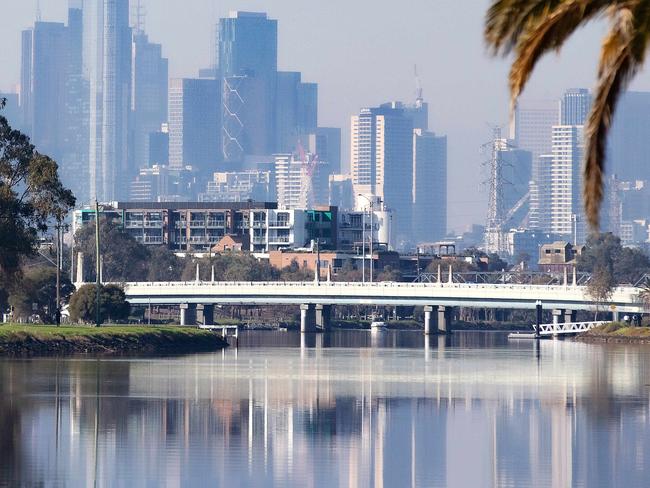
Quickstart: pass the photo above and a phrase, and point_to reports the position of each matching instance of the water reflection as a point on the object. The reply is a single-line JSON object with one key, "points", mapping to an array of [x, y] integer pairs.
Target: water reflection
{"points": [[333, 410]]}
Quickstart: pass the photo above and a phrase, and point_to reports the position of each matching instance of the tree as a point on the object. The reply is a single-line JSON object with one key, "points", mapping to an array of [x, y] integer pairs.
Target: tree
{"points": [[626, 265], [389, 273], [348, 273], [294, 272], [113, 304], [644, 295], [38, 286], [230, 266], [600, 286], [31, 196], [164, 265], [124, 259], [532, 28]]}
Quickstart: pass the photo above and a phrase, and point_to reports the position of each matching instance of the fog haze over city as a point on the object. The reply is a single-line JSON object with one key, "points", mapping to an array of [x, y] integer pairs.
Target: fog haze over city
{"points": [[362, 54]]}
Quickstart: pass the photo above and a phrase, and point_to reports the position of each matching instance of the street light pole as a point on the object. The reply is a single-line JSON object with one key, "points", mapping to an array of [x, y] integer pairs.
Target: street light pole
{"points": [[98, 319], [363, 247], [372, 258], [57, 309]]}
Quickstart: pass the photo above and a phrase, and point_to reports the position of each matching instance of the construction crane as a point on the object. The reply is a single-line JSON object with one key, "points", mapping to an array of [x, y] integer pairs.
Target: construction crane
{"points": [[309, 162]]}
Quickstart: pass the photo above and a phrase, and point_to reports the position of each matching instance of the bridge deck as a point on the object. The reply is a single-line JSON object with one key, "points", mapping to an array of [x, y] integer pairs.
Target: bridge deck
{"points": [[624, 299]]}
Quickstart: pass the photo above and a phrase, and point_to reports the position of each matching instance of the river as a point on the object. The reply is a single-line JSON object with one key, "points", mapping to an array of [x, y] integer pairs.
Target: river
{"points": [[350, 408]]}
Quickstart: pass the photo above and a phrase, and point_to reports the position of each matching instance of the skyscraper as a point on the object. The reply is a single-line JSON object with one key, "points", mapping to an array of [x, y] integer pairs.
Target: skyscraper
{"points": [[382, 162], [296, 110], [298, 185], [429, 186], [247, 52], [533, 126], [540, 193], [74, 160], [194, 124], [44, 85], [566, 216], [575, 106], [150, 97], [629, 139], [245, 127], [107, 67]]}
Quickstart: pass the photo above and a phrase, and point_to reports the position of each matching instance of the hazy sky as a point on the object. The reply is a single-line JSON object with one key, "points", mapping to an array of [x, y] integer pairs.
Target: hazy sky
{"points": [[362, 53]]}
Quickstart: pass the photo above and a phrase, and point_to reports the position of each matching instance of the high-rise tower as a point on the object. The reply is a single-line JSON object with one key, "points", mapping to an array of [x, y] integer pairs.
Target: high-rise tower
{"points": [[382, 162], [575, 106], [247, 61], [107, 67]]}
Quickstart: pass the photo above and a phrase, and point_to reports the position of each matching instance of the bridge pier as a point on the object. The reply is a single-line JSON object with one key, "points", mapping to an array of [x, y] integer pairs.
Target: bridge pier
{"points": [[307, 318], [444, 319], [205, 314], [429, 326], [323, 314], [188, 314], [569, 316]]}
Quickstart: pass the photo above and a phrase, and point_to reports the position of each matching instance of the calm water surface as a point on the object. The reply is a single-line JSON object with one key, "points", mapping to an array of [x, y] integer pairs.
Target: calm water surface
{"points": [[346, 409]]}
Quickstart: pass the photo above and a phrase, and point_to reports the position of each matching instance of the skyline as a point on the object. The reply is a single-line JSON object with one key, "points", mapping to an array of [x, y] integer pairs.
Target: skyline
{"points": [[460, 108]]}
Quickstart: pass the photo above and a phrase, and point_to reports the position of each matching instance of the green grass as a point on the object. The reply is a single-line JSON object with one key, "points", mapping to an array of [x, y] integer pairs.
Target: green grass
{"points": [[68, 332], [620, 329], [19, 339]]}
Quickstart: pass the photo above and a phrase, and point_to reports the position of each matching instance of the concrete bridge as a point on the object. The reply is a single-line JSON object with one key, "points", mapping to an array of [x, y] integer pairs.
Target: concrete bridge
{"points": [[197, 298]]}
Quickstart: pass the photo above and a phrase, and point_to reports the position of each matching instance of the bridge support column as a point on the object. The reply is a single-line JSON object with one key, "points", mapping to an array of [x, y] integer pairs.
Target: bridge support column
{"points": [[188, 314], [444, 319], [615, 316], [569, 316], [558, 316], [430, 327], [323, 314], [307, 318], [205, 314]]}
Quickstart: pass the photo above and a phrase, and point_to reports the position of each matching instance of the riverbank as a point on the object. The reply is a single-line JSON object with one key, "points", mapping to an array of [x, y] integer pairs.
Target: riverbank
{"points": [[17, 339], [616, 332]]}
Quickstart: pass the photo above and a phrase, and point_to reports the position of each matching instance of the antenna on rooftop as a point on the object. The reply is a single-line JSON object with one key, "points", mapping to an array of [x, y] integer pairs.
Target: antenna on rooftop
{"points": [[418, 87], [38, 10], [138, 14]]}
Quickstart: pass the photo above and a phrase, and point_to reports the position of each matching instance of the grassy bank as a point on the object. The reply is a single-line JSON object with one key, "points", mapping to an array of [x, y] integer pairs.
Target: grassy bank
{"points": [[619, 332], [18, 339]]}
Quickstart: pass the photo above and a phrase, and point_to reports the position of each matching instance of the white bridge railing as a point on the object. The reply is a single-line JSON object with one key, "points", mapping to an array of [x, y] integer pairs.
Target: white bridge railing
{"points": [[567, 327]]}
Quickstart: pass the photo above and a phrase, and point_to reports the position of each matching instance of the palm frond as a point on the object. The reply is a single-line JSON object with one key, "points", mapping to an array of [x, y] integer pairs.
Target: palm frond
{"points": [[622, 54], [549, 33], [506, 20]]}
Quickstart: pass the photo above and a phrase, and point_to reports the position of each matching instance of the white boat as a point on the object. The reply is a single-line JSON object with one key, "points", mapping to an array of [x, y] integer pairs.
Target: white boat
{"points": [[378, 325], [522, 335]]}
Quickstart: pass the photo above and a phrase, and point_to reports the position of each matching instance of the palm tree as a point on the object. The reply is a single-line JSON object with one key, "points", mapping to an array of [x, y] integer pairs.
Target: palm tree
{"points": [[531, 28]]}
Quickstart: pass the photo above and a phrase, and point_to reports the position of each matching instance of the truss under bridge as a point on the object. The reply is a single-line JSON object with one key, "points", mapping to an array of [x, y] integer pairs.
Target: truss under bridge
{"points": [[567, 327]]}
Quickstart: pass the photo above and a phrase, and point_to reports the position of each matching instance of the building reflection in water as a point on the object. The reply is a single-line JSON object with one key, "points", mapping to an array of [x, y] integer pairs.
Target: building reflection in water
{"points": [[473, 412]]}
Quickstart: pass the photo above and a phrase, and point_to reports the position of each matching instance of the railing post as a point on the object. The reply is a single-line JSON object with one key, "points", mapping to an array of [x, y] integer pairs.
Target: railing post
{"points": [[538, 318]]}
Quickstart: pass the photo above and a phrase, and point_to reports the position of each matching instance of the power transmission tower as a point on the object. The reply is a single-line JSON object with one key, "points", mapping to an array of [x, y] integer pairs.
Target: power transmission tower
{"points": [[496, 218]]}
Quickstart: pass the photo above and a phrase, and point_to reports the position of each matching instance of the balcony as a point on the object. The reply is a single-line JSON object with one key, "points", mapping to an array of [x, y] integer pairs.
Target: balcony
{"points": [[216, 223], [258, 239], [259, 224], [131, 224], [197, 223], [155, 224], [181, 224], [280, 240], [152, 240], [281, 224]]}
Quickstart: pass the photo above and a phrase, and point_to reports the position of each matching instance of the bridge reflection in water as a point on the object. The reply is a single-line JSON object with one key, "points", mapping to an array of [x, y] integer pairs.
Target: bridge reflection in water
{"points": [[344, 409]]}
